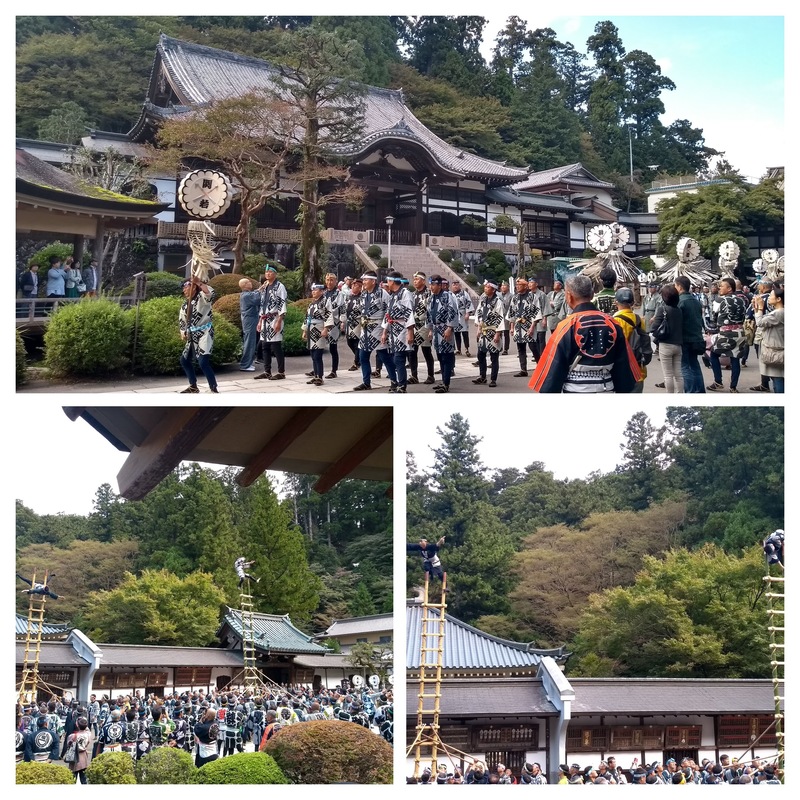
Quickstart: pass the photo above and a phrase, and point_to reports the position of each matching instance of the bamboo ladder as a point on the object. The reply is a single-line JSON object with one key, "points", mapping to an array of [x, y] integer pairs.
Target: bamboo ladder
{"points": [[252, 676], [432, 639], [775, 612], [33, 645]]}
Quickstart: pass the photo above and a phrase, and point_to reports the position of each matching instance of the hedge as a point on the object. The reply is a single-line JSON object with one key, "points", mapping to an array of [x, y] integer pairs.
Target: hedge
{"points": [[158, 284], [22, 360], [33, 772], [111, 768], [166, 765], [88, 337], [241, 768], [331, 751]]}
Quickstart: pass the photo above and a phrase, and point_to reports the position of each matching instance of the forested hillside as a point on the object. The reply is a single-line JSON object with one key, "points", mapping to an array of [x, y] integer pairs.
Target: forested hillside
{"points": [[539, 102], [653, 569], [143, 571]]}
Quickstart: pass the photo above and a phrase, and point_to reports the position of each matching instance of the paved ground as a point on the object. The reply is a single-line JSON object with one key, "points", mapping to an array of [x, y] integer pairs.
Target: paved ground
{"points": [[232, 381]]}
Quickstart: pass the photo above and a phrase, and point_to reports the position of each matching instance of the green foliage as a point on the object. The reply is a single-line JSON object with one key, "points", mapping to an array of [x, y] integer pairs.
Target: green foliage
{"points": [[158, 284], [293, 344], [330, 751], [471, 279], [689, 614], [33, 772], [229, 308], [159, 345], [383, 263], [157, 608], [88, 338], [253, 267], [374, 251], [111, 768], [226, 284], [42, 257], [240, 768], [21, 360], [494, 266], [66, 123], [457, 266], [166, 765], [292, 279], [446, 256]]}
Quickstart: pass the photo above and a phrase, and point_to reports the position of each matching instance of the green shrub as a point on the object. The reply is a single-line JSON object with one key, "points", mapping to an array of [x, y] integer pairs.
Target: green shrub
{"points": [[225, 284], [292, 279], [242, 768], [228, 306], [471, 279], [446, 256], [22, 361], [42, 257], [159, 345], [330, 751], [166, 765], [111, 768], [158, 284], [383, 263], [31, 772], [253, 267], [293, 344], [90, 337], [457, 266], [373, 251]]}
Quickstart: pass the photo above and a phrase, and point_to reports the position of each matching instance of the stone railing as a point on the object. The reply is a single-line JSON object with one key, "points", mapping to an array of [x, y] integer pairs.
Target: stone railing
{"points": [[361, 256], [177, 230]]}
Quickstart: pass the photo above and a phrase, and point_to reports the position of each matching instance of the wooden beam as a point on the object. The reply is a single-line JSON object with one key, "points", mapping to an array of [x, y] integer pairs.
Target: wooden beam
{"points": [[300, 422], [363, 448], [169, 443]]}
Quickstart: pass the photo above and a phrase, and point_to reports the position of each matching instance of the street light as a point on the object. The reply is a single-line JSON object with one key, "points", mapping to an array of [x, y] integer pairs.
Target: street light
{"points": [[389, 221], [630, 152]]}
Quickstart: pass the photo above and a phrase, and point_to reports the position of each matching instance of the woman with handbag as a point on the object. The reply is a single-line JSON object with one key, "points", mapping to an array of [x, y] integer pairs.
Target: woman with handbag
{"points": [[770, 325], [78, 752], [667, 331]]}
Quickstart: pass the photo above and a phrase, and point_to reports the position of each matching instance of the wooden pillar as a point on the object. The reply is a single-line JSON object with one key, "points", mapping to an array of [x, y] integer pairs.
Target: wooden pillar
{"points": [[97, 252]]}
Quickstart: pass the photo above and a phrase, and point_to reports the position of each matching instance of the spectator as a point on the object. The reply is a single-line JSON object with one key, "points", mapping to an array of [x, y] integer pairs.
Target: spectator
{"points": [[82, 739], [72, 278], [631, 324], [693, 341], [667, 330], [90, 279], [771, 349], [249, 300], [29, 281], [652, 300], [56, 278], [205, 736]]}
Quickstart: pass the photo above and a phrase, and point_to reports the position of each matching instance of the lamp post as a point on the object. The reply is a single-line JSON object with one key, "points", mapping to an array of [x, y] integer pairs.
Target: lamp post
{"points": [[630, 152], [389, 221]]}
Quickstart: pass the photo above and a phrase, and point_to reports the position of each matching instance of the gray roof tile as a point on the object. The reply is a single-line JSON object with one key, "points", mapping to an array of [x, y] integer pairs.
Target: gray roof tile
{"points": [[274, 633], [48, 628], [54, 654], [144, 655], [466, 647], [202, 74], [575, 174], [349, 627]]}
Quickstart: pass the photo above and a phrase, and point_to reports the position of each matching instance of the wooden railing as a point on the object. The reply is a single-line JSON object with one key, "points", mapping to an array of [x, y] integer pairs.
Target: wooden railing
{"points": [[35, 312]]}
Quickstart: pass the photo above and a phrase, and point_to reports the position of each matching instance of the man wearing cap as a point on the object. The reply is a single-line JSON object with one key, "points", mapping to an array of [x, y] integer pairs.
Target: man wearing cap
{"points": [[373, 312], [196, 324], [272, 311], [629, 321], [465, 308], [319, 323], [422, 335], [490, 321], [398, 332], [523, 315], [443, 316], [588, 352], [351, 322]]}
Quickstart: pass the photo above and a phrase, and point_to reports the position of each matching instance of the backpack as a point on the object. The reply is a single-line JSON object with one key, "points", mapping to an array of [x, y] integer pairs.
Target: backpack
{"points": [[638, 339]]}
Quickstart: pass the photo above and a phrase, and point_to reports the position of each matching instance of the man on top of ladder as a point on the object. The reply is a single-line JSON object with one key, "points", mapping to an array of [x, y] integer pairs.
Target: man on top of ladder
{"points": [[430, 558], [240, 565], [773, 547], [38, 588]]}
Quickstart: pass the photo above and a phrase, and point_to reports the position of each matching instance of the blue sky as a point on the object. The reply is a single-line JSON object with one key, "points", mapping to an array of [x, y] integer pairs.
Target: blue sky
{"points": [[728, 72]]}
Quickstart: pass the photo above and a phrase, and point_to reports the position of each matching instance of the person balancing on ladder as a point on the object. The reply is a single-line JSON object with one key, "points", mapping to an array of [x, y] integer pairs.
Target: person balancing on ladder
{"points": [[240, 565], [430, 556]]}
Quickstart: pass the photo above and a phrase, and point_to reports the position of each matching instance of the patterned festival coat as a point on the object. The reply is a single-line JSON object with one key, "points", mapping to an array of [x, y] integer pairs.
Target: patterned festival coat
{"points": [[198, 324], [442, 314], [489, 319], [272, 306], [373, 313], [399, 318], [319, 315], [523, 312]]}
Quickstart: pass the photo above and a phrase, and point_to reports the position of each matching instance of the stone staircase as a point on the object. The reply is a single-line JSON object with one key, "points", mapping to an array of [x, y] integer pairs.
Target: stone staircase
{"points": [[408, 259]]}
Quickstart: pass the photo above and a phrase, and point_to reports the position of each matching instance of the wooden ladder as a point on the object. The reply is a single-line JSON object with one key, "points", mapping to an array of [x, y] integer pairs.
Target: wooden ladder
{"points": [[33, 645], [776, 627]]}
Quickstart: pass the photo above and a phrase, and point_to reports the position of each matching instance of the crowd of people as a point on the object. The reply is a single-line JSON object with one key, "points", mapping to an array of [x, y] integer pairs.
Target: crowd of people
{"points": [[728, 770], [209, 725], [584, 337], [64, 278]]}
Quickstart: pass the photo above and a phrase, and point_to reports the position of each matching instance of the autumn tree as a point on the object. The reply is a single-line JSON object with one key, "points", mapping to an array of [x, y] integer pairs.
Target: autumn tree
{"points": [[157, 607]]}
